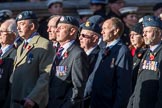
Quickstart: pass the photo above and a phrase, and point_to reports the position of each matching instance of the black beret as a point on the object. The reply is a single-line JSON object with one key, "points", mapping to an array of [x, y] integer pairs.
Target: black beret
{"points": [[69, 20], [152, 21], [26, 15], [91, 26], [138, 28], [157, 6]]}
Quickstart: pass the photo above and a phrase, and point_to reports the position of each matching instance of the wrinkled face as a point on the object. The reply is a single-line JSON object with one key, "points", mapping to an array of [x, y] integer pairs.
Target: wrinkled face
{"points": [[52, 28], [151, 35], [131, 19], [108, 31], [136, 39], [56, 9], [24, 28], [63, 32], [87, 39], [6, 36]]}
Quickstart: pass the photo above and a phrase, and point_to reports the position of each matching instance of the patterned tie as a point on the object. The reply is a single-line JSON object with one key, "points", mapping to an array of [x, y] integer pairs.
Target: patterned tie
{"points": [[58, 55], [25, 45]]}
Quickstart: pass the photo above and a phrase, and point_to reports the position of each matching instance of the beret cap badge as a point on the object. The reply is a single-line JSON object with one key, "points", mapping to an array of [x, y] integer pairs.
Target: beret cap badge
{"points": [[149, 19], [87, 24], [20, 16], [62, 19]]}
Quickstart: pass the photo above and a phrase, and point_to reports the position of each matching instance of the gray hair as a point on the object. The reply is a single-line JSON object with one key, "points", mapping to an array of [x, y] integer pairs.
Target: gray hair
{"points": [[12, 27]]}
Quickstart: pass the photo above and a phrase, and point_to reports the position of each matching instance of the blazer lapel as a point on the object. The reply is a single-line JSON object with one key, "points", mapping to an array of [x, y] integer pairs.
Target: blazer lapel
{"points": [[68, 52], [28, 48], [8, 52]]}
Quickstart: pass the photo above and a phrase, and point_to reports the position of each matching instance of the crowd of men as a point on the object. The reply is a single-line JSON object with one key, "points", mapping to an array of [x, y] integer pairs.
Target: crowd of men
{"points": [[92, 64]]}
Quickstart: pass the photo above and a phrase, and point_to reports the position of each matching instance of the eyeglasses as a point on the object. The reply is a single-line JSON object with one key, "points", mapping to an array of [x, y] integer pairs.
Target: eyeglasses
{"points": [[5, 31], [86, 36]]}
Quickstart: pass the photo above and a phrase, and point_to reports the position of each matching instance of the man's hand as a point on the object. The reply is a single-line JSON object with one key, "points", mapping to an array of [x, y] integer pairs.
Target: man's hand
{"points": [[28, 103]]}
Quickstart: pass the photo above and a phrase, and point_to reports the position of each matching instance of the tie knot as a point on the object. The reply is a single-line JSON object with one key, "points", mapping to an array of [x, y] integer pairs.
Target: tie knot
{"points": [[59, 51], [25, 45], [106, 51]]}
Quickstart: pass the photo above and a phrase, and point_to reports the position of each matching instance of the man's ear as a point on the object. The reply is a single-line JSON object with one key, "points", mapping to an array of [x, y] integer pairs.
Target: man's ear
{"points": [[116, 31], [72, 31], [32, 26]]}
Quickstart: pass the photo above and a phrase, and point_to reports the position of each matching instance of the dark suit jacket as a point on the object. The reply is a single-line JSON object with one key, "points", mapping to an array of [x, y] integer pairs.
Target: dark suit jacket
{"points": [[66, 91], [92, 58], [112, 82], [148, 89], [6, 69]]}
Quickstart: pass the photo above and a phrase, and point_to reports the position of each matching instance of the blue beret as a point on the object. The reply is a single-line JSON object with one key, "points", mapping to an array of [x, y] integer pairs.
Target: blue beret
{"points": [[91, 26], [69, 20], [152, 21], [96, 19], [26, 15]]}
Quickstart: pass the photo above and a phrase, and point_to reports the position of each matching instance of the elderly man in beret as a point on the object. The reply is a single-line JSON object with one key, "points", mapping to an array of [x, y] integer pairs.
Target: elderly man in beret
{"points": [[32, 65], [148, 89], [89, 37], [70, 67]]}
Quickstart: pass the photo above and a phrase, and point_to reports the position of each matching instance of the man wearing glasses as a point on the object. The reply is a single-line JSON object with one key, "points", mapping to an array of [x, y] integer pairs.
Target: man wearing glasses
{"points": [[7, 56], [89, 37]]}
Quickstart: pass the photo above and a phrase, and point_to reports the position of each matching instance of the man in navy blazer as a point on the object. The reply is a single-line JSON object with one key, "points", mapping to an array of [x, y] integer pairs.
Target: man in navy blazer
{"points": [[111, 85], [70, 68]]}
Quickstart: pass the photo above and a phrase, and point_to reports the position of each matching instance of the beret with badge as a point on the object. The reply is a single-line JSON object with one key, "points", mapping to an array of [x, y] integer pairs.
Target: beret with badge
{"points": [[26, 15], [152, 21], [91, 26], [69, 20]]}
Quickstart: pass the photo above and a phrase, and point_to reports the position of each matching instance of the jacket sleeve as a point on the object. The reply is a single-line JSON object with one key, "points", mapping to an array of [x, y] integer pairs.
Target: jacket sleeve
{"points": [[79, 76]]}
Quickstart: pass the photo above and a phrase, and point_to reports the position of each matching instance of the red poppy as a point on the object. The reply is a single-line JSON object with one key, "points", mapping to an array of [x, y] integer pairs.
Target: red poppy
{"points": [[28, 47], [152, 57], [139, 55], [1, 61], [65, 55]]}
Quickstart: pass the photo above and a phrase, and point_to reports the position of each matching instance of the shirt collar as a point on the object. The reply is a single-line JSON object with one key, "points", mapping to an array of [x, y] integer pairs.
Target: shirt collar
{"points": [[5, 49], [88, 52], [154, 47], [66, 46], [113, 43], [29, 39]]}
